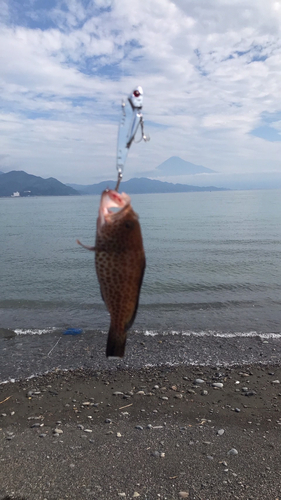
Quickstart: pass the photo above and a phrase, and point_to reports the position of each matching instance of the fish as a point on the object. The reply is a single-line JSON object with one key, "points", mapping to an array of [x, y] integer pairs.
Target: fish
{"points": [[120, 265]]}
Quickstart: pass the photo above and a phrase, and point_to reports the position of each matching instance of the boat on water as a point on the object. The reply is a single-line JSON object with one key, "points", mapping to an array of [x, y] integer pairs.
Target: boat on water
{"points": [[16, 194]]}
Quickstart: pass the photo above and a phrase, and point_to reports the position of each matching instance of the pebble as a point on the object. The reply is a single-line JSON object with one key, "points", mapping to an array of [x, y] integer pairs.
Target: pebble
{"points": [[118, 434], [42, 435], [122, 494], [199, 381], [191, 391], [164, 398], [108, 421], [183, 494], [218, 385], [275, 382], [233, 451], [139, 427], [80, 426], [220, 432], [237, 410], [156, 387], [204, 393], [57, 431], [141, 393], [118, 393], [136, 494], [88, 430], [250, 393], [155, 454], [178, 396], [149, 426]]}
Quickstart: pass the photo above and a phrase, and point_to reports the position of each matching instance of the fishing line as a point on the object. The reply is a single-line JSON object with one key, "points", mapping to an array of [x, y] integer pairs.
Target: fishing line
{"points": [[53, 347]]}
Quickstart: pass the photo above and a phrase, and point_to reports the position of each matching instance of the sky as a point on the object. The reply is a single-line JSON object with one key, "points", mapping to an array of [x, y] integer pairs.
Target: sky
{"points": [[210, 72]]}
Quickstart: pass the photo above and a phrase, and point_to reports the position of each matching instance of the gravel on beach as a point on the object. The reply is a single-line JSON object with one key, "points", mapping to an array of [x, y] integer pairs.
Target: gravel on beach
{"points": [[164, 433]]}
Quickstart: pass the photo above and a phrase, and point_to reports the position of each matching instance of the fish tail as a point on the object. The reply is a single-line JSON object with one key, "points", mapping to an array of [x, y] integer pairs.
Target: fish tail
{"points": [[115, 343]]}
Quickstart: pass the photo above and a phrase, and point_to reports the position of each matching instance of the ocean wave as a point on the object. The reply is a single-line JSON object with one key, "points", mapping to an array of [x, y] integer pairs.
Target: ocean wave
{"points": [[210, 333], [34, 331]]}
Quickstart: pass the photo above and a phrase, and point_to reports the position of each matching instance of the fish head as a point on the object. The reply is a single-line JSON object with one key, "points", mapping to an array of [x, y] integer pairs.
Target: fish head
{"points": [[122, 223]]}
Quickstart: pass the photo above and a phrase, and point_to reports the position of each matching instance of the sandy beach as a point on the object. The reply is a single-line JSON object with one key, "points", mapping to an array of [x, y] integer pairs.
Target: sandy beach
{"points": [[153, 433]]}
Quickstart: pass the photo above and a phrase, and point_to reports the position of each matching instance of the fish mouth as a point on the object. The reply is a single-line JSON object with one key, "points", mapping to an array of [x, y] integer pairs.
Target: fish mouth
{"points": [[112, 199]]}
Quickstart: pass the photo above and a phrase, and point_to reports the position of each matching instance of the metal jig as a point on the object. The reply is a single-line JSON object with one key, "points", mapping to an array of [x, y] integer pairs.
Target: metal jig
{"points": [[131, 119]]}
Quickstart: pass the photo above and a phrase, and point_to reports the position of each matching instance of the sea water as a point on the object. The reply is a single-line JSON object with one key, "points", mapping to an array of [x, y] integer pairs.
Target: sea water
{"points": [[213, 265]]}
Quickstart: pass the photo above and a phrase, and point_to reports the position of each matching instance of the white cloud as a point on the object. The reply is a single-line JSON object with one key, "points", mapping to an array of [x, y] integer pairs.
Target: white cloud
{"points": [[210, 71]]}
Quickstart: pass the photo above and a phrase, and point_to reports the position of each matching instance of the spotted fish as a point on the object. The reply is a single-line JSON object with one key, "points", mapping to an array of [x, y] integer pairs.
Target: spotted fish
{"points": [[120, 265]]}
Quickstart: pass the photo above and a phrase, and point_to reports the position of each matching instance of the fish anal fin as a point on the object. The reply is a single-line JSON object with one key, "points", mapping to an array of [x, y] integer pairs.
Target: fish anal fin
{"points": [[93, 249]]}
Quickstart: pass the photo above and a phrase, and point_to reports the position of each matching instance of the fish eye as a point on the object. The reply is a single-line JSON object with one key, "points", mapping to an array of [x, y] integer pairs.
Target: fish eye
{"points": [[129, 224]]}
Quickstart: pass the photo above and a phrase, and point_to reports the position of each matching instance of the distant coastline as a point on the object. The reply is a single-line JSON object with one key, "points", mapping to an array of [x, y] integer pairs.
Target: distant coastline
{"points": [[18, 184], [142, 185]]}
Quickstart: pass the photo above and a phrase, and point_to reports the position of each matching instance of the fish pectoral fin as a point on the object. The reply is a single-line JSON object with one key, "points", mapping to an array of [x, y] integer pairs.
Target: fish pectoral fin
{"points": [[86, 246], [115, 343]]}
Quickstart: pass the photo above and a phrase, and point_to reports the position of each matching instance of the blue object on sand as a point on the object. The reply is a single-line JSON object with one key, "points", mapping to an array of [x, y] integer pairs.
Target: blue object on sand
{"points": [[73, 331]]}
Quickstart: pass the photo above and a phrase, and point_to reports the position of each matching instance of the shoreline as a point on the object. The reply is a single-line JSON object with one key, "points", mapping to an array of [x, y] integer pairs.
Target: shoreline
{"points": [[23, 357], [164, 432]]}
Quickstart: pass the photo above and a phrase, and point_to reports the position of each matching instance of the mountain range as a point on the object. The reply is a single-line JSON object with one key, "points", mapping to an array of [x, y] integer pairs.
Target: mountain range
{"points": [[177, 166], [32, 185], [24, 184], [140, 186]]}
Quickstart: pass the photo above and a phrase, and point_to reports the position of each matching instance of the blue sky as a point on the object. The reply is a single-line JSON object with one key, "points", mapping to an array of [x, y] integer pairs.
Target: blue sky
{"points": [[210, 70]]}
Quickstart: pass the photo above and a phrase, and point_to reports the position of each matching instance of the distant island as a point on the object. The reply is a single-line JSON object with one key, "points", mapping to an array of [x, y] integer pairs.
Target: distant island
{"points": [[141, 186], [18, 183]]}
